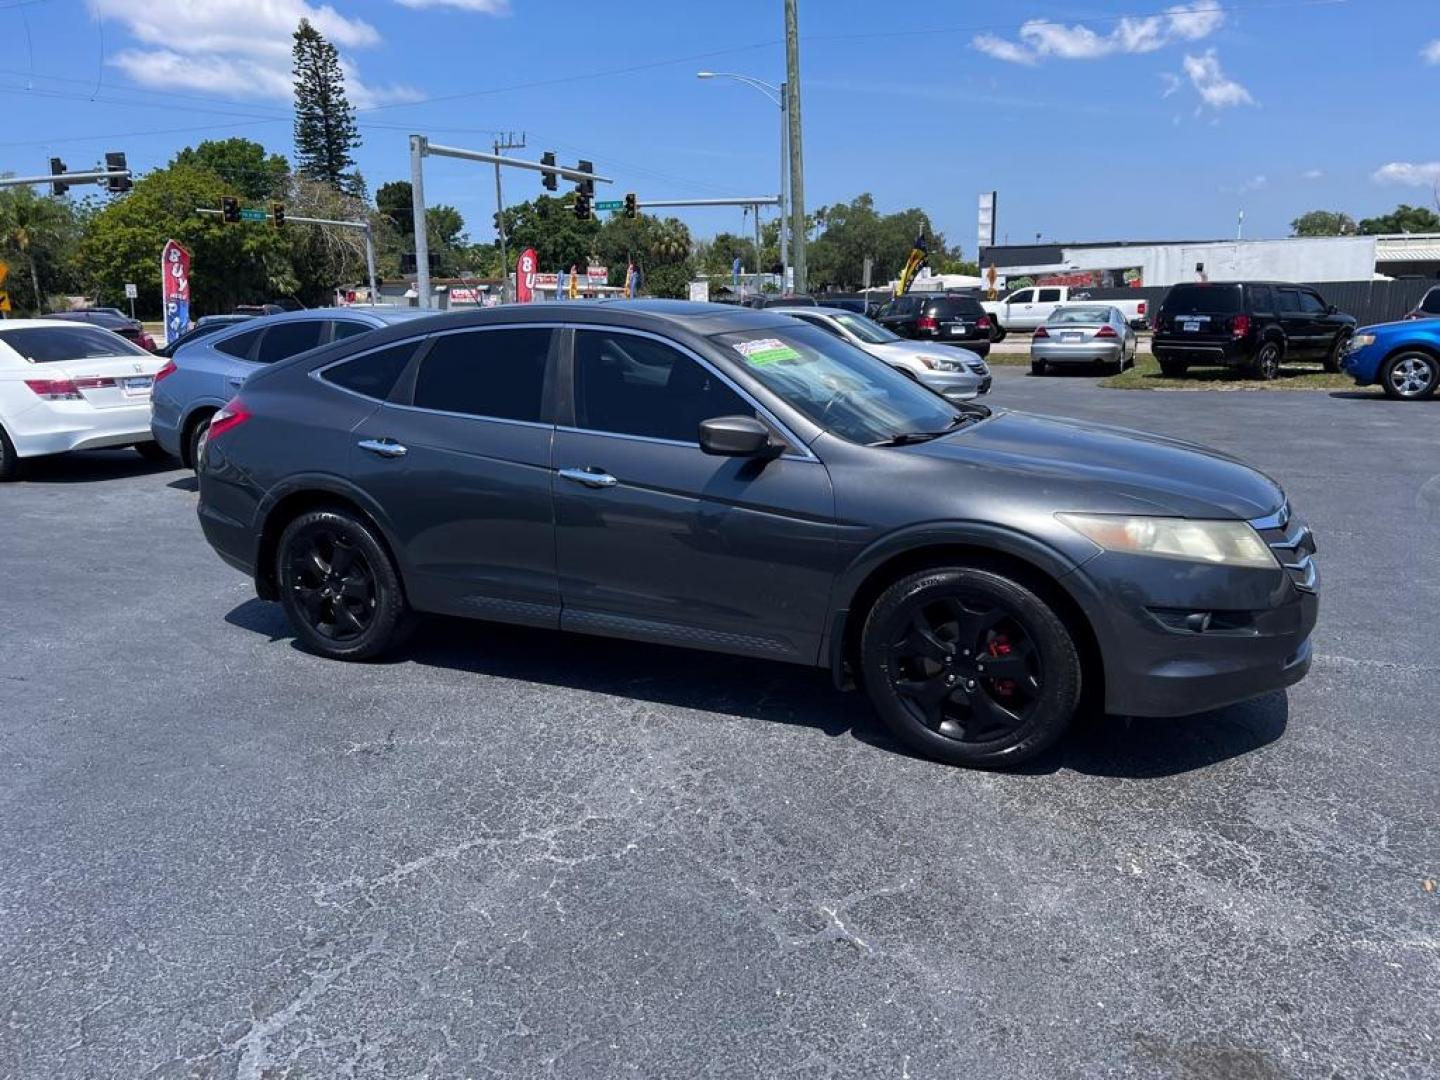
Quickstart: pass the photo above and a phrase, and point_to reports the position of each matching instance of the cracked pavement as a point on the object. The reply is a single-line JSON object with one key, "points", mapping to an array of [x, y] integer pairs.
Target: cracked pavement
{"points": [[511, 853]]}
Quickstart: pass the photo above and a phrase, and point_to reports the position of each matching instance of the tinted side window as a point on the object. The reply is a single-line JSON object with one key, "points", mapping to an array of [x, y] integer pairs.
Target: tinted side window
{"points": [[1288, 300], [492, 373], [1049, 296], [239, 345], [287, 339], [958, 305], [1262, 299], [1431, 303], [1311, 304], [346, 328], [632, 385], [373, 374], [1024, 296], [823, 324]]}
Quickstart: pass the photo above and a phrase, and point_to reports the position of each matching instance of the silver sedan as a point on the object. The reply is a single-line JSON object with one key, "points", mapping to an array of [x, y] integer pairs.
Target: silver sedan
{"points": [[1084, 334], [954, 374]]}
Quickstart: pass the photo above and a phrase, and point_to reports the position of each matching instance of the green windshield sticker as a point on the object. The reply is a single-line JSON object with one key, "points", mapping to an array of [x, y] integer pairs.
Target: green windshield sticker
{"points": [[764, 351]]}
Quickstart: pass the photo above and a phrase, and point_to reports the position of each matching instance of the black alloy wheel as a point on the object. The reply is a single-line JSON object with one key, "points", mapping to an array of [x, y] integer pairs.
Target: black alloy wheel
{"points": [[1266, 365], [970, 667], [1337, 350], [338, 586], [199, 432]]}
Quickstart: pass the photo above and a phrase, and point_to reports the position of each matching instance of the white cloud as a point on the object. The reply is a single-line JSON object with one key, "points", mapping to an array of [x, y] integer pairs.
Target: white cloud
{"points": [[1312, 174], [1040, 38], [235, 48], [485, 7], [1408, 173], [1215, 88], [1431, 52], [1255, 183], [1171, 83]]}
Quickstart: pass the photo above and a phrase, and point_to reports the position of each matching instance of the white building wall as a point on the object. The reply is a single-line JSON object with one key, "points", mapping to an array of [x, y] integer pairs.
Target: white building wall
{"points": [[1335, 258]]}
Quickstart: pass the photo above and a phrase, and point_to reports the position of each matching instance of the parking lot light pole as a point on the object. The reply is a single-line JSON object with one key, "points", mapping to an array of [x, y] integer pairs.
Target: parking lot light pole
{"points": [[780, 98]]}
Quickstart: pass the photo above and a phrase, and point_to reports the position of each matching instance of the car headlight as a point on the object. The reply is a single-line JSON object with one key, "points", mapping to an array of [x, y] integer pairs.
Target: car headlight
{"points": [[938, 363], [1359, 341], [1228, 543]]}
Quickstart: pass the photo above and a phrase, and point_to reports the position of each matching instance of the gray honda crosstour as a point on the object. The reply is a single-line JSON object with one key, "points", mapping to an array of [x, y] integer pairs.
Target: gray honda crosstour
{"points": [[737, 480]]}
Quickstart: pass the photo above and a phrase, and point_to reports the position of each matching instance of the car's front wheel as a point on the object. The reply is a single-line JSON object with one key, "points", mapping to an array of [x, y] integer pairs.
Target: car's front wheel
{"points": [[969, 667], [339, 587], [1410, 376], [1337, 350], [199, 432]]}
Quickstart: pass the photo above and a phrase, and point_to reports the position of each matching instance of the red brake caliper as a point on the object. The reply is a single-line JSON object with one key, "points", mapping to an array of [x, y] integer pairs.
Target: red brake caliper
{"points": [[1000, 646]]}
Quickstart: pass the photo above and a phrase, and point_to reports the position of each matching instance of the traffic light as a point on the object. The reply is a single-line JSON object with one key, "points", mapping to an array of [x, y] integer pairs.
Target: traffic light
{"points": [[582, 206], [632, 208], [115, 162], [586, 187], [57, 168], [230, 208], [547, 177], [495, 217], [277, 214]]}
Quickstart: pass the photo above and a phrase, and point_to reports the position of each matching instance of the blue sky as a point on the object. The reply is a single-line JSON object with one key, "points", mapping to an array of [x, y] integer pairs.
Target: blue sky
{"points": [[1094, 120]]}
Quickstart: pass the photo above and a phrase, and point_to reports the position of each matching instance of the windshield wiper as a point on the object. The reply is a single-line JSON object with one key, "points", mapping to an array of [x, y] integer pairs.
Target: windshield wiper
{"points": [[905, 438]]}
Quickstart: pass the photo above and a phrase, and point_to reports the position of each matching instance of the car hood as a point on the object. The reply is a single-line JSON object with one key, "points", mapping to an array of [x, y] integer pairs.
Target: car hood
{"points": [[907, 349], [1095, 468]]}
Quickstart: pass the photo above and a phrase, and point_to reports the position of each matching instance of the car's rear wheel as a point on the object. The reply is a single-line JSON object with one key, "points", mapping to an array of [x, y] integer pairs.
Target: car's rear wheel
{"points": [[154, 453], [199, 432], [9, 462], [1337, 350], [1173, 369], [1037, 367], [339, 587], [1410, 376], [1266, 365], [969, 667]]}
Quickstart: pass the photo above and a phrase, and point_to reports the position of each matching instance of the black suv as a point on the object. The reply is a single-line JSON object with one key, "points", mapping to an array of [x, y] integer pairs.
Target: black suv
{"points": [[1428, 307], [1254, 325], [951, 320]]}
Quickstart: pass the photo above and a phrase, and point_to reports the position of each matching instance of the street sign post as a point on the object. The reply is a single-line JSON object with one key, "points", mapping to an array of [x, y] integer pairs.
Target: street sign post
{"points": [[246, 214], [131, 292]]}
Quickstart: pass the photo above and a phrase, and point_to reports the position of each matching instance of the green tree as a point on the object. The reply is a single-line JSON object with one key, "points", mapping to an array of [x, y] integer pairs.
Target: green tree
{"points": [[855, 230], [325, 132], [245, 166], [1404, 219], [550, 227], [660, 247], [323, 257], [396, 201], [41, 233]]}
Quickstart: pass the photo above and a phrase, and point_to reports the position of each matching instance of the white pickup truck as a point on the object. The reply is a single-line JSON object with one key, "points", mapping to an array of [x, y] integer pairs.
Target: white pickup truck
{"points": [[1025, 309]]}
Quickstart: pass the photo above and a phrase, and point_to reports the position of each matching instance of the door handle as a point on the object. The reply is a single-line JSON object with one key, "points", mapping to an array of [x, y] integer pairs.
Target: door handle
{"points": [[233, 380], [386, 448], [592, 477]]}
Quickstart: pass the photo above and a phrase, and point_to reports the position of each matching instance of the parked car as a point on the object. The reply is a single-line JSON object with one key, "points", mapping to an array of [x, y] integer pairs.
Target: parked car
{"points": [[66, 385], [954, 374], [200, 378], [260, 309], [1252, 325], [857, 304], [1428, 307], [131, 330], [955, 320], [1403, 357], [1083, 334], [204, 327], [782, 300], [1025, 309], [735, 480]]}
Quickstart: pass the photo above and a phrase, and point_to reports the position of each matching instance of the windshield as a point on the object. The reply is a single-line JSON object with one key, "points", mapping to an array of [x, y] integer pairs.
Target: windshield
{"points": [[872, 333], [54, 344], [1083, 315], [838, 386]]}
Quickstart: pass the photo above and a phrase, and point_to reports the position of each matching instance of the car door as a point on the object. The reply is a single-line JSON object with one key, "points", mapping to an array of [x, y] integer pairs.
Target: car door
{"points": [[657, 540], [1297, 324], [1019, 309], [459, 461], [1319, 329]]}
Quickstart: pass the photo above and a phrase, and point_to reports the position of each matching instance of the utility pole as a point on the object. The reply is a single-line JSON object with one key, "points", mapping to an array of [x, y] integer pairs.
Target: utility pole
{"points": [[784, 181], [797, 157], [506, 143]]}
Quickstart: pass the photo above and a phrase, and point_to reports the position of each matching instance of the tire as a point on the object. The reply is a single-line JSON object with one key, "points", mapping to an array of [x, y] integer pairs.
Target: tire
{"points": [[1037, 367], [1266, 364], [1332, 358], [9, 462], [997, 332], [930, 649], [1410, 376], [154, 453], [1173, 369], [195, 445], [339, 587], [1114, 367]]}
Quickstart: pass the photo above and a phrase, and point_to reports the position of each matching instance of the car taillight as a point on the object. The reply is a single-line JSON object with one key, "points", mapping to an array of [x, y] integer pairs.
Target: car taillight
{"points": [[1040, 332], [926, 322], [55, 389], [146, 342], [230, 417], [1239, 326], [1106, 331], [983, 323], [166, 371], [1140, 311]]}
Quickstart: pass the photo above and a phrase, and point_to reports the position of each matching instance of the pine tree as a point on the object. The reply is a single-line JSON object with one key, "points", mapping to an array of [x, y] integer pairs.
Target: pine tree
{"points": [[325, 130]]}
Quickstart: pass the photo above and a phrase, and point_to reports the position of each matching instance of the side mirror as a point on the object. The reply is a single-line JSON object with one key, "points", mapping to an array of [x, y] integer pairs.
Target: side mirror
{"points": [[735, 436], [1331, 309]]}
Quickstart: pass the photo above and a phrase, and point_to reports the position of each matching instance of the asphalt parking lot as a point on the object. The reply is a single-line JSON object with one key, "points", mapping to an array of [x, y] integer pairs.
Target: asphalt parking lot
{"points": [[519, 854]]}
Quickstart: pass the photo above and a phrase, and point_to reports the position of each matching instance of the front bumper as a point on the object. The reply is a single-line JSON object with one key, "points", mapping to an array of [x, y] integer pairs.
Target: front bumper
{"points": [[1363, 364], [1080, 352], [979, 345], [956, 385]]}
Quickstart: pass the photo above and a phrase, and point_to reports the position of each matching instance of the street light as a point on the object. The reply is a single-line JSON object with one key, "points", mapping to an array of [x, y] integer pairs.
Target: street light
{"points": [[778, 98]]}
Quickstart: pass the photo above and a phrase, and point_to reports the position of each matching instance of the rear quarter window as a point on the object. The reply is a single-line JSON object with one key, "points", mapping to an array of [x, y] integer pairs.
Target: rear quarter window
{"points": [[372, 374], [239, 345]]}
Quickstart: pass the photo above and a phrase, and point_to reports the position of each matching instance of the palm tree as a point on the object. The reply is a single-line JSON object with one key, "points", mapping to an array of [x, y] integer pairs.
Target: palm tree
{"points": [[30, 225], [671, 242]]}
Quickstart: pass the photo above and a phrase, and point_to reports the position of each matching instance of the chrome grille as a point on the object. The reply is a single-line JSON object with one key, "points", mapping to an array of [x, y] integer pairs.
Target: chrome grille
{"points": [[1293, 543]]}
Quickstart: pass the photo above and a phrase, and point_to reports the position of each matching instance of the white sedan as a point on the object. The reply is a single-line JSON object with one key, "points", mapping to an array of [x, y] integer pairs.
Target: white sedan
{"points": [[69, 386], [955, 374]]}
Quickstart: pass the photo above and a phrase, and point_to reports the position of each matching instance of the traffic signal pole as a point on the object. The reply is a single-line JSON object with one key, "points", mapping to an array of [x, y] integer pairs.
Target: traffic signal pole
{"points": [[68, 177], [363, 226]]}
